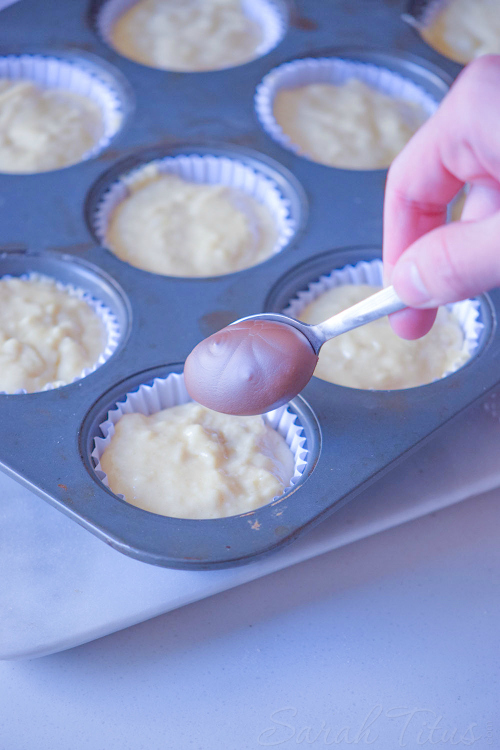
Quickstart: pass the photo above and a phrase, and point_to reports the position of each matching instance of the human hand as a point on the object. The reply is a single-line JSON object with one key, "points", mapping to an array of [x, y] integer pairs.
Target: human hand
{"points": [[429, 262]]}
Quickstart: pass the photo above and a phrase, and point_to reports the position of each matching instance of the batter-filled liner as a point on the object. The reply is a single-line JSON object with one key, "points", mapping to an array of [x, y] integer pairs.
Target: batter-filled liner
{"points": [[170, 391]]}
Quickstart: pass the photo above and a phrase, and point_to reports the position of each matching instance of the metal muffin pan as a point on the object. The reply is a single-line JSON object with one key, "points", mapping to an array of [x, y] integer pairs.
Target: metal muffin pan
{"points": [[353, 435]]}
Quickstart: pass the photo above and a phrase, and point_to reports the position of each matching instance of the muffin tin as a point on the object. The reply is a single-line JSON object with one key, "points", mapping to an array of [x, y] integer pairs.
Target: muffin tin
{"points": [[352, 436]]}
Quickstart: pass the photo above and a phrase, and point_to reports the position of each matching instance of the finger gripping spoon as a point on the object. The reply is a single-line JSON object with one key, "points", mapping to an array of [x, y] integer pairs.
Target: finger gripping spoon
{"points": [[260, 362]]}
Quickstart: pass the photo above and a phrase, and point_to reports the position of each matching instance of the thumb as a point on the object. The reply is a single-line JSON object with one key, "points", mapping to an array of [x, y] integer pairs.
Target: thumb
{"points": [[451, 263]]}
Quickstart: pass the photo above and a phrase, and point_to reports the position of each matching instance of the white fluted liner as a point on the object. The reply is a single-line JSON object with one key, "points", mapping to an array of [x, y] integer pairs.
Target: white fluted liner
{"points": [[270, 19], [266, 13], [71, 75], [108, 318], [333, 70], [171, 391], [210, 170], [371, 272]]}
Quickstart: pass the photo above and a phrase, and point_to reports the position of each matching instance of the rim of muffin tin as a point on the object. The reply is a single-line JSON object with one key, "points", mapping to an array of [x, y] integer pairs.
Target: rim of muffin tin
{"points": [[433, 81], [300, 277], [84, 276], [273, 16], [291, 192], [222, 535], [60, 68]]}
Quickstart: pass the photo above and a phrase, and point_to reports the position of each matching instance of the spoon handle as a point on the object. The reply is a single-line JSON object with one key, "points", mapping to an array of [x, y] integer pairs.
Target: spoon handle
{"points": [[376, 306]]}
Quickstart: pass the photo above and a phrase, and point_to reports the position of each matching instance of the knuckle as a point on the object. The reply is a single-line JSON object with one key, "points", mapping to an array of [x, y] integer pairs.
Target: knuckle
{"points": [[416, 205]]}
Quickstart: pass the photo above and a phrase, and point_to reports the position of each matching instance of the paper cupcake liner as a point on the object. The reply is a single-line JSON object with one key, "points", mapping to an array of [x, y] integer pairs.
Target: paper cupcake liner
{"points": [[335, 71], [108, 318], [79, 77], [171, 391], [466, 312], [271, 20], [210, 170], [267, 13]]}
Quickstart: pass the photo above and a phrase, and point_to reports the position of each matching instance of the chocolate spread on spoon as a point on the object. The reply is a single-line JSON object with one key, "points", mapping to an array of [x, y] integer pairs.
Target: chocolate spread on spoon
{"points": [[249, 367]]}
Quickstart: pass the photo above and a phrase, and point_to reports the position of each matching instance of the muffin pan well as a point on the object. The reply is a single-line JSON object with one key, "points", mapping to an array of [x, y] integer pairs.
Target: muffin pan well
{"points": [[466, 317], [460, 31], [352, 436], [270, 17], [266, 182], [390, 74], [80, 75]]}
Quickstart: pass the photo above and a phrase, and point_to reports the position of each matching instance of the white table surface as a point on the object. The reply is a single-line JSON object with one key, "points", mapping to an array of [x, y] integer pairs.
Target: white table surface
{"points": [[399, 628]]}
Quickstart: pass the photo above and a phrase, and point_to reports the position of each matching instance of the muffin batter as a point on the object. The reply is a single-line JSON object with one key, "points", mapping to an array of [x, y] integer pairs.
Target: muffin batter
{"points": [[372, 356], [465, 29], [46, 335], [42, 129], [178, 228], [190, 462], [351, 126], [189, 36]]}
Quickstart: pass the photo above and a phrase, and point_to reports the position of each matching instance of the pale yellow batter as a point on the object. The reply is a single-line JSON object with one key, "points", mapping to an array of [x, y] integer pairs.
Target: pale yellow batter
{"points": [[465, 29], [191, 462], [178, 228], [192, 35], [46, 335], [42, 129], [372, 356], [351, 126]]}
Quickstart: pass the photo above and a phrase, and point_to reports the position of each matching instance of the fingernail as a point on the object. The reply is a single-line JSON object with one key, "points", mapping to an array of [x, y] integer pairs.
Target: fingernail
{"points": [[410, 286]]}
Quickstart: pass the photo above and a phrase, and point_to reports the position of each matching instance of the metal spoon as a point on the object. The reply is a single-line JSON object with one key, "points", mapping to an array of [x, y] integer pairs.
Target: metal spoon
{"points": [[262, 361], [375, 306]]}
